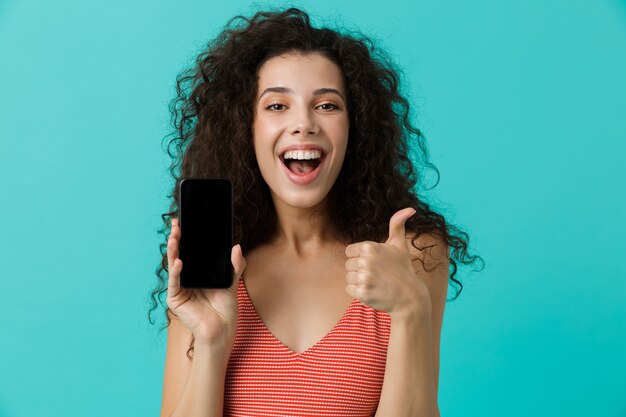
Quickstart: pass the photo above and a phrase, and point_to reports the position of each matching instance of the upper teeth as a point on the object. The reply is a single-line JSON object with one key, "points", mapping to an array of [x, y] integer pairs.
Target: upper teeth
{"points": [[313, 154]]}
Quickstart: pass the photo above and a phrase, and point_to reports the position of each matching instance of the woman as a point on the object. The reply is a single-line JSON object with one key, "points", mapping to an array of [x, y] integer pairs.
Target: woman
{"points": [[337, 306]]}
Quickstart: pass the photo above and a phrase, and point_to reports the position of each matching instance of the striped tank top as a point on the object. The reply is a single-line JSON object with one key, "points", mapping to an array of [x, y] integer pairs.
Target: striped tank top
{"points": [[340, 375]]}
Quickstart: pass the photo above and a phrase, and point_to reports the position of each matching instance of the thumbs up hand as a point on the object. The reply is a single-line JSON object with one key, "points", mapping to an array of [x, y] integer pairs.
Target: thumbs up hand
{"points": [[380, 275]]}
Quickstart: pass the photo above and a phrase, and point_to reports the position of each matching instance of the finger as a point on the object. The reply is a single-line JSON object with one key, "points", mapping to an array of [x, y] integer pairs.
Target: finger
{"points": [[355, 249], [397, 232], [175, 235], [173, 283], [172, 250], [353, 277], [175, 228], [351, 290], [238, 262], [352, 264]]}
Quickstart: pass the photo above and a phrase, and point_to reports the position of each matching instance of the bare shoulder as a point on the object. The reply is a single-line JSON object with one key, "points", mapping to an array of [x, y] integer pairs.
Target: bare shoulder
{"points": [[431, 261], [432, 250]]}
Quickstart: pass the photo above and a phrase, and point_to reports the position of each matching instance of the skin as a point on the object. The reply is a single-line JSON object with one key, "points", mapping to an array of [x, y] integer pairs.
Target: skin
{"points": [[287, 118], [378, 274], [303, 237]]}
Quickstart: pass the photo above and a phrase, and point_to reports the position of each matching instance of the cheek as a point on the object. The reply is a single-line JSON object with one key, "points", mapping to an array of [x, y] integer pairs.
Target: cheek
{"points": [[341, 146], [266, 125], [340, 131], [263, 140]]}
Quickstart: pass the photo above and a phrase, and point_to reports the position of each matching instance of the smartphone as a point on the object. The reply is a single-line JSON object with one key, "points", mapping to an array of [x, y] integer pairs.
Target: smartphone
{"points": [[206, 233]]}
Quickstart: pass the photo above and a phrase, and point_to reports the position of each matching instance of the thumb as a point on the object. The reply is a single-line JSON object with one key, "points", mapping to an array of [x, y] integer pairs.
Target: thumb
{"points": [[239, 264], [397, 233]]}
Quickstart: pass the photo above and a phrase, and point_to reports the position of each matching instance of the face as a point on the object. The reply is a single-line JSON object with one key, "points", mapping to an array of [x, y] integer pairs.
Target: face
{"points": [[299, 114]]}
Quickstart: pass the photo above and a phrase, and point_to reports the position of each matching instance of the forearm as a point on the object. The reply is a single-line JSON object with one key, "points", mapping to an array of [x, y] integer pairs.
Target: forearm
{"points": [[203, 395], [409, 385]]}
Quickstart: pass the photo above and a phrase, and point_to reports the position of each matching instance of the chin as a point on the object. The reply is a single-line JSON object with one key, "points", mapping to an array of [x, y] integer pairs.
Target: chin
{"points": [[304, 199]]}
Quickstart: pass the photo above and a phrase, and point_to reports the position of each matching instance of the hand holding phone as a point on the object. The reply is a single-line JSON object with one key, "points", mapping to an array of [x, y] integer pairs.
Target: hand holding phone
{"points": [[210, 314]]}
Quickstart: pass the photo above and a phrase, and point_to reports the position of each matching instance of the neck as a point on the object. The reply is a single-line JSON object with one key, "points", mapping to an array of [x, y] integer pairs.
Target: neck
{"points": [[303, 233]]}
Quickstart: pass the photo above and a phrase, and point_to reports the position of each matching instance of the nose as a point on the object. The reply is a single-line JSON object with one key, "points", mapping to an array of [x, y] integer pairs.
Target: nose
{"points": [[304, 122]]}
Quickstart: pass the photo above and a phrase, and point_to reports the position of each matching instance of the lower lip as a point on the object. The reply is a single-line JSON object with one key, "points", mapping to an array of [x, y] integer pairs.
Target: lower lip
{"points": [[304, 179]]}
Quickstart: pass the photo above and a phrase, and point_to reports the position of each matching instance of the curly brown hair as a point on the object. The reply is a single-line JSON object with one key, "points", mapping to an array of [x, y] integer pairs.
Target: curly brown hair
{"points": [[213, 113]]}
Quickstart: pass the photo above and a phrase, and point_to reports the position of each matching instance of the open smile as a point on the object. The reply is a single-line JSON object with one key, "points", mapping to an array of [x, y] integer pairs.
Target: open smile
{"points": [[302, 178]]}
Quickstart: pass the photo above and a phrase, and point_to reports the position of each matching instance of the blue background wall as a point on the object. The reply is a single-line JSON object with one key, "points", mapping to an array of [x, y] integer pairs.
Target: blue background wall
{"points": [[523, 105]]}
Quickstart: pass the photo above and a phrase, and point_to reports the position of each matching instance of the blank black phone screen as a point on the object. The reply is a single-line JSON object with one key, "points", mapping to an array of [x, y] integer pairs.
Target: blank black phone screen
{"points": [[206, 233]]}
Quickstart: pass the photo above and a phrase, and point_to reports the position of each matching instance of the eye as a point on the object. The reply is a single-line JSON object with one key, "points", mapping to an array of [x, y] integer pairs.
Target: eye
{"points": [[329, 104], [272, 108]]}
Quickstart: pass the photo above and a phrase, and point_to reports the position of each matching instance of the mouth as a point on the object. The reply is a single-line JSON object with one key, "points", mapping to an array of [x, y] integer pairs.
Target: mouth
{"points": [[302, 166], [303, 172]]}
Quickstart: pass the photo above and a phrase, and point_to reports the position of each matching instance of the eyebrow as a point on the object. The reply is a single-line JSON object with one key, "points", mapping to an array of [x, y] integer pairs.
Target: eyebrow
{"points": [[286, 90]]}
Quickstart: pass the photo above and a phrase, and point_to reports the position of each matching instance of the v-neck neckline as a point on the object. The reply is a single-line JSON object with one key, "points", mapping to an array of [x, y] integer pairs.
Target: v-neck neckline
{"points": [[281, 344]]}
